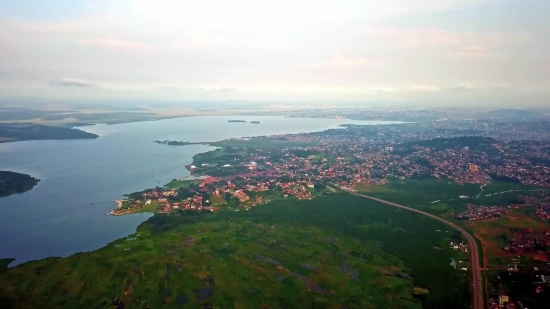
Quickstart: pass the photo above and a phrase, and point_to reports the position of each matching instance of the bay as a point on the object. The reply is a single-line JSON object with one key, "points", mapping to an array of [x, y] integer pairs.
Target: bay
{"points": [[80, 179]]}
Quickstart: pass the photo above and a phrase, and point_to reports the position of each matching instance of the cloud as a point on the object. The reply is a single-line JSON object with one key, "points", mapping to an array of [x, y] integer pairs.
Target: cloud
{"points": [[419, 88], [472, 49], [200, 40], [473, 52], [168, 87], [412, 38], [341, 61], [465, 86], [501, 86], [383, 89], [71, 82], [118, 45], [221, 89], [407, 88]]}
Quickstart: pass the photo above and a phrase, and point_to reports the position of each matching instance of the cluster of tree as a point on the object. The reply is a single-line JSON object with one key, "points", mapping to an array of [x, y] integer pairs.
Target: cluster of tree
{"points": [[165, 222], [12, 183]]}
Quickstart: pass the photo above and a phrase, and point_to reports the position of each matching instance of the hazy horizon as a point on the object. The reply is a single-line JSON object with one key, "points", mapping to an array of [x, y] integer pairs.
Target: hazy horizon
{"points": [[469, 53]]}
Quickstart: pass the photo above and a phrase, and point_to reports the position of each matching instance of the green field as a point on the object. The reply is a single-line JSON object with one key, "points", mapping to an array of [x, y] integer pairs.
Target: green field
{"points": [[329, 232], [149, 208], [443, 196], [125, 204]]}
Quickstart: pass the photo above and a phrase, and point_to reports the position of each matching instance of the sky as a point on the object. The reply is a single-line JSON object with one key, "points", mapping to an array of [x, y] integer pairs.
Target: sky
{"points": [[444, 52]]}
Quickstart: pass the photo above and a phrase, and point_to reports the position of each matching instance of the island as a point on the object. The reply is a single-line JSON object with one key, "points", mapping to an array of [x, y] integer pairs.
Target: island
{"points": [[255, 121], [13, 183], [175, 143], [12, 132], [236, 121]]}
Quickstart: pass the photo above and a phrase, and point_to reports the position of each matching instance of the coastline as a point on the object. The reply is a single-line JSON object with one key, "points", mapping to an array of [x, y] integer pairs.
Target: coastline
{"points": [[118, 207], [73, 242]]}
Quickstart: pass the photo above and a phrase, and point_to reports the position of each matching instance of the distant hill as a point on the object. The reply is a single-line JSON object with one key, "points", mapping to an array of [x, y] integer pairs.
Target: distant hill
{"points": [[514, 114], [11, 132]]}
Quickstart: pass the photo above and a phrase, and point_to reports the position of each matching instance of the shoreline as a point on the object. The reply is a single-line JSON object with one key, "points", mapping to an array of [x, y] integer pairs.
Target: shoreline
{"points": [[118, 207]]}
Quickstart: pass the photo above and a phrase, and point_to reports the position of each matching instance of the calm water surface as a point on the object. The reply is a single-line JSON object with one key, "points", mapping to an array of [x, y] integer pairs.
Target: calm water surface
{"points": [[66, 212]]}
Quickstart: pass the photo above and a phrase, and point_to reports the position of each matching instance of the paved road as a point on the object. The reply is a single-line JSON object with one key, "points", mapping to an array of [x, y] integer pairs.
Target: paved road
{"points": [[478, 302]]}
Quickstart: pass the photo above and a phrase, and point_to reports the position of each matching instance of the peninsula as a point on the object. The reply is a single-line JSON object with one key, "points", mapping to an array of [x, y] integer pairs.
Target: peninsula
{"points": [[12, 132], [13, 183], [175, 143]]}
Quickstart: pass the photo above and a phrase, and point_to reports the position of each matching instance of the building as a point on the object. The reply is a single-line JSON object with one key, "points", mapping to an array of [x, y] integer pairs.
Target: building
{"points": [[502, 299], [474, 168]]}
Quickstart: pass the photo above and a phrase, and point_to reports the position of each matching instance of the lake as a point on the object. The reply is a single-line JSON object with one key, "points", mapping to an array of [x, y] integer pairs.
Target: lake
{"points": [[67, 211]]}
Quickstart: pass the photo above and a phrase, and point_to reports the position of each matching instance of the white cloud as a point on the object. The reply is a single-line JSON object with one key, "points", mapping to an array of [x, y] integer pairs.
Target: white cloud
{"points": [[253, 50], [199, 40], [118, 45], [419, 88], [222, 88], [382, 89], [71, 82], [406, 88], [342, 61], [472, 49], [465, 86], [412, 37], [168, 87]]}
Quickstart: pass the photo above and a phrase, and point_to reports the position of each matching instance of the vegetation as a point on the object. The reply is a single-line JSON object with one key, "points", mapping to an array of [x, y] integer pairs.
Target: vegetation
{"points": [[25, 131], [4, 265], [175, 143], [472, 143], [175, 184], [13, 183], [351, 253], [442, 196]]}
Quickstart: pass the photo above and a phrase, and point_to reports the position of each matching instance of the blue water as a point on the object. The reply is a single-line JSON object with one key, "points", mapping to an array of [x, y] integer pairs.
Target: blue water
{"points": [[66, 212]]}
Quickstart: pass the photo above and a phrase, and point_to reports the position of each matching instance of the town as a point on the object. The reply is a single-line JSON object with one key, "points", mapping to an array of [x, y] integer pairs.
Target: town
{"points": [[346, 157], [240, 175]]}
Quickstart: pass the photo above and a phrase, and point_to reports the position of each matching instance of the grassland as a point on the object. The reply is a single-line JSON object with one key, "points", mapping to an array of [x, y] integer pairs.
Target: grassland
{"points": [[164, 263], [148, 208], [442, 196], [163, 270], [125, 204]]}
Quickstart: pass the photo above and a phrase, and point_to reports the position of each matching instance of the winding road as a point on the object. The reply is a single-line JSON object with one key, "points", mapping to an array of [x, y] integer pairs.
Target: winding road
{"points": [[478, 302]]}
